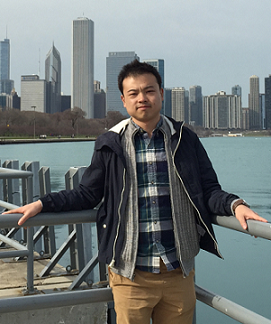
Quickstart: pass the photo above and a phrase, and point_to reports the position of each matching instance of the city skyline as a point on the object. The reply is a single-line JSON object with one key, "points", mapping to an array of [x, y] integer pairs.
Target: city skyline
{"points": [[212, 44]]}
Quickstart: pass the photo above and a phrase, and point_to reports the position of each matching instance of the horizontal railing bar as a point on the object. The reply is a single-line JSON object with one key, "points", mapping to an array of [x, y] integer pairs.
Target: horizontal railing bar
{"points": [[61, 299], [229, 308], [6, 173], [7, 205], [48, 219], [14, 254], [255, 228], [12, 243]]}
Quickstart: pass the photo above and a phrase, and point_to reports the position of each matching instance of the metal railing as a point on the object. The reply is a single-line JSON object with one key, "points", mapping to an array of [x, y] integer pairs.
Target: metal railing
{"points": [[75, 297], [221, 304]]}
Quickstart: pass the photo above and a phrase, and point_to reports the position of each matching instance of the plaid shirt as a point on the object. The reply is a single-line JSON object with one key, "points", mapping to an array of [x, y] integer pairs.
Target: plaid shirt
{"points": [[156, 236]]}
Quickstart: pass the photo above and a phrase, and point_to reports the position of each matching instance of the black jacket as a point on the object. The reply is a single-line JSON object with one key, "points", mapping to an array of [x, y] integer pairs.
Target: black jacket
{"points": [[104, 180]]}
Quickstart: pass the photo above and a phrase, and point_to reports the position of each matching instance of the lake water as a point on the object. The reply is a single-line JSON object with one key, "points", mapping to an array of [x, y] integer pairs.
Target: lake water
{"points": [[243, 166]]}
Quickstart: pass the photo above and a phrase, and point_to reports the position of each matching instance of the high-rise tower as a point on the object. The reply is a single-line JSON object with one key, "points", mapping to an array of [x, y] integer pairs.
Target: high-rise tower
{"points": [[53, 80], [268, 102], [82, 91], [159, 64], [236, 90], [4, 59], [180, 102], [6, 85], [195, 106], [222, 111], [254, 103], [114, 63]]}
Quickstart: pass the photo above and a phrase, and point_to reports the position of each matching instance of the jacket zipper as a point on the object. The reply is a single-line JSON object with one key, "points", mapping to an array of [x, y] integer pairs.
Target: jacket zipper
{"points": [[112, 263], [206, 227]]}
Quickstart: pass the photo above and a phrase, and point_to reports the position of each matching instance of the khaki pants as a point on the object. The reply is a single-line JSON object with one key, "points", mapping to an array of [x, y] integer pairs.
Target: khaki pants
{"points": [[167, 297]]}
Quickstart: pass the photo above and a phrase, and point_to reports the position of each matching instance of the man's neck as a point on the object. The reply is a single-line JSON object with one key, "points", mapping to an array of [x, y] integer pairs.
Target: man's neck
{"points": [[148, 127]]}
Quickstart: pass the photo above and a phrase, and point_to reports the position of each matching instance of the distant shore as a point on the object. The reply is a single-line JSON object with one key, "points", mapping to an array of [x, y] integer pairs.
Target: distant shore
{"points": [[44, 140]]}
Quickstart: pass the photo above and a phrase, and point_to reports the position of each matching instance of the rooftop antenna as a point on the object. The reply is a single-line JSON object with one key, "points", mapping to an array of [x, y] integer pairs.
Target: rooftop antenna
{"points": [[39, 62], [6, 31]]}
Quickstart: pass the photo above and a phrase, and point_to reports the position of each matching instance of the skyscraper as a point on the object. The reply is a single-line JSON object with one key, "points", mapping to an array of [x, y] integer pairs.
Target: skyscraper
{"points": [[195, 105], [254, 103], [168, 102], [159, 64], [180, 103], [236, 90], [268, 102], [33, 93], [114, 62], [53, 81], [82, 91], [222, 111], [4, 59], [6, 85]]}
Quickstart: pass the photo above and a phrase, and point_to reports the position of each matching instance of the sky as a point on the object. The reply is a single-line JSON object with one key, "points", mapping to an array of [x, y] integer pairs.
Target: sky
{"points": [[212, 43]]}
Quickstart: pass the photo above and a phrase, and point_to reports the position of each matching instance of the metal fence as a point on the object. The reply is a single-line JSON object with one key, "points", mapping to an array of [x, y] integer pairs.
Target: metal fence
{"points": [[85, 263]]}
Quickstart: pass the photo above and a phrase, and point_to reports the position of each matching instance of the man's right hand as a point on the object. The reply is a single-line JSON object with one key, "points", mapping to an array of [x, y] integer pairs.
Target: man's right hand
{"points": [[28, 211]]}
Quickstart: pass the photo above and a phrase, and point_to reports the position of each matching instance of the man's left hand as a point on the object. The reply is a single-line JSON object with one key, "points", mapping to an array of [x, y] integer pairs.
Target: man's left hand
{"points": [[243, 213]]}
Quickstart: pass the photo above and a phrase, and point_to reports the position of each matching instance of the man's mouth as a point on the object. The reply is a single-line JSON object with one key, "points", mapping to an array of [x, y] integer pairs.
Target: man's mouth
{"points": [[143, 107]]}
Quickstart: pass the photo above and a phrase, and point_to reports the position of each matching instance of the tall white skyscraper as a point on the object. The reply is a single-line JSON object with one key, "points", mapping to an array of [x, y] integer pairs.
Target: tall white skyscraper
{"points": [[82, 92], [254, 103]]}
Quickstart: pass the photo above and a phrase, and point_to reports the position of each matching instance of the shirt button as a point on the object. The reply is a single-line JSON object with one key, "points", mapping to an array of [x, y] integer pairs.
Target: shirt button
{"points": [[104, 225]]}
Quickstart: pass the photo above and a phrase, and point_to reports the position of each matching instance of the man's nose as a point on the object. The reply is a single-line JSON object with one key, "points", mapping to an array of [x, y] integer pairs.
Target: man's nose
{"points": [[142, 97]]}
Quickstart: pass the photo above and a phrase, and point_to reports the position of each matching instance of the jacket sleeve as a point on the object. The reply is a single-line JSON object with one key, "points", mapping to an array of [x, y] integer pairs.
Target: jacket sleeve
{"points": [[86, 196]]}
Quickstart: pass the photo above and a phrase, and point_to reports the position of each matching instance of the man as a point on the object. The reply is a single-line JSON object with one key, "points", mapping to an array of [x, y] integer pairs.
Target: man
{"points": [[159, 190]]}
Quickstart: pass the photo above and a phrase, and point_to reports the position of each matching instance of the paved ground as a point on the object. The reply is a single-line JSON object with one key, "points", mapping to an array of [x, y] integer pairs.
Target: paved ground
{"points": [[13, 276]]}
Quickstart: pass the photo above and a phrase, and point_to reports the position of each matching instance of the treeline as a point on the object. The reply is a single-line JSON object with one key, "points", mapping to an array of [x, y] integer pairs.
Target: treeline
{"points": [[15, 123]]}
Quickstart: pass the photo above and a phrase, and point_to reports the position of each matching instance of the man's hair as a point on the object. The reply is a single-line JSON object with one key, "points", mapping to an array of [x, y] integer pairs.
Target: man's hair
{"points": [[136, 68]]}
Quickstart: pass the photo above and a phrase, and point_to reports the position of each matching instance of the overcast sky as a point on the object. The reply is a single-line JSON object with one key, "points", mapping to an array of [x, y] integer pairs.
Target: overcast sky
{"points": [[212, 43]]}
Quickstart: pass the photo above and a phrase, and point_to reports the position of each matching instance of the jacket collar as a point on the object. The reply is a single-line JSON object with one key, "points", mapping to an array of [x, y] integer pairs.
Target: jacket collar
{"points": [[121, 126]]}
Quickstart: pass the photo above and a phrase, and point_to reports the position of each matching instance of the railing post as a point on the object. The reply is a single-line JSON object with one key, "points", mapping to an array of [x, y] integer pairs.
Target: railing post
{"points": [[30, 261], [34, 168], [45, 187], [11, 186], [1, 192], [12, 192]]}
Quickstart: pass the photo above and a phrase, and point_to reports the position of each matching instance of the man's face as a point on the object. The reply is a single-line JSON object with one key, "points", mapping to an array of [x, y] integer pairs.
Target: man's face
{"points": [[142, 98]]}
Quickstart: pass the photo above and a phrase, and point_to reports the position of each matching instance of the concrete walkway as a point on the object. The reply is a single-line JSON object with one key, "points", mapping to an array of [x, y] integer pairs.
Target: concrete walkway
{"points": [[13, 276]]}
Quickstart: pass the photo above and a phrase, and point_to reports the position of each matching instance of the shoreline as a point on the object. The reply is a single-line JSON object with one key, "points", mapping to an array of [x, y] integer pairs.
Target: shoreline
{"points": [[4, 141]]}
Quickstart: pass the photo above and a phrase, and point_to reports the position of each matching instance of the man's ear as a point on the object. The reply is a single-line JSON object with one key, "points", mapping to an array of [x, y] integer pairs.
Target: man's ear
{"points": [[162, 93], [123, 100]]}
